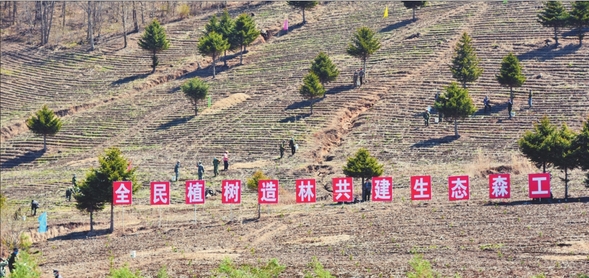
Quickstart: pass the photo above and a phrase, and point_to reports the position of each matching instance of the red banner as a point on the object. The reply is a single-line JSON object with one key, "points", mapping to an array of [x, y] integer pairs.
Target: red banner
{"points": [[458, 188], [122, 193], [382, 189], [268, 192], [539, 185], [499, 186], [195, 192], [231, 190], [421, 188], [306, 191], [160, 193], [343, 190]]}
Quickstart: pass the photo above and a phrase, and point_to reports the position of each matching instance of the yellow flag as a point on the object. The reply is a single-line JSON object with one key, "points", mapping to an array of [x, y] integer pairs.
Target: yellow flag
{"points": [[386, 12]]}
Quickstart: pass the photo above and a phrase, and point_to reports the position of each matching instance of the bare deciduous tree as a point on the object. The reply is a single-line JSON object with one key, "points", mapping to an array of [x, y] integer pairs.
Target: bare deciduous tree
{"points": [[124, 12], [46, 14], [90, 34], [135, 25]]}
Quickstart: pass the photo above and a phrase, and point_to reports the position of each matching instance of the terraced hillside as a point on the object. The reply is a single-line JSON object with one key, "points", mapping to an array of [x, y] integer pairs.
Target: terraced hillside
{"points": [[108, 98]]}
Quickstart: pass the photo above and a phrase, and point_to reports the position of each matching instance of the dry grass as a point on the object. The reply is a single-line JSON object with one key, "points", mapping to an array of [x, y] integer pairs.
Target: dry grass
{"points": [[522, 165], [225, 103]]}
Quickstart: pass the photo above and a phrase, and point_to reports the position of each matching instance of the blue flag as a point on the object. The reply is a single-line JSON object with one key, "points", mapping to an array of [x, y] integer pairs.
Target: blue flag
{"points": [[43, 222]]}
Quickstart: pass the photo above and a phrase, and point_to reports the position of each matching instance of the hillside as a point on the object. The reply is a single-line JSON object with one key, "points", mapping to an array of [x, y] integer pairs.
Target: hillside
{"points": [[108, 98]]}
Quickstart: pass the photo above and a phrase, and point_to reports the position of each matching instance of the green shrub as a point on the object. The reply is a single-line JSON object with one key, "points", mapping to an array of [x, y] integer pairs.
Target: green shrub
{"points": [[252, 183], [24, 241], [228, 269], [318, 270], [2, 201], [421, 268], [162, 273], [26, 266], [124, 272]]}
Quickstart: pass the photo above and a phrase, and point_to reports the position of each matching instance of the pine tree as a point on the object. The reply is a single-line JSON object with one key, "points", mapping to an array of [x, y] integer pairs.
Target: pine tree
{"points": [[536, 145], [212, 25], [455, 104], [44, 122], [311, 88], [252, 184], [510, 75], [363, 45], [553, 15], [465, 63], [154, 40], [96, 189], [245, 32], [303, 5], [414, 5], [226, 29], [579, 18], [213, 45], [363, 165], [564, 154], [195, 89], [581, 147], [324, 68]]}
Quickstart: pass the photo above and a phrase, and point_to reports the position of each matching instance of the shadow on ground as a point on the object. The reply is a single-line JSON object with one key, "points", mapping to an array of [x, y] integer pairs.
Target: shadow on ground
{"points": [[80, 235], [430, 143], [396, 26], [295, 118], [542, 201], [548, 52], [175, 122], [128, 79], [23, 159]]}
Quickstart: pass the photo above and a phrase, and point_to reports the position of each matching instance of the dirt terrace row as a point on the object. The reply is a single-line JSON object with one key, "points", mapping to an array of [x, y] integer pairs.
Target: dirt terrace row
{"points": [[229, 112], [471, 240], [559, 94]]}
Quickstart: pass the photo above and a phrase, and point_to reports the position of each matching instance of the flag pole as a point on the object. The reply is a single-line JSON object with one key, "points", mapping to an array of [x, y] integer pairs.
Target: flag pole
{"points": [[195, 214], [123, 218], [160, 221]]}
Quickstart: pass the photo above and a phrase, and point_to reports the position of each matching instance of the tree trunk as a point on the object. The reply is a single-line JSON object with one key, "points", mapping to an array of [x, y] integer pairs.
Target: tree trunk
{"points": [[195, 109], [414, 8], [91, 221], [225, 59], [90, 27], [365, 71], [214, 56], [154, 62], [124, 24], [456, 128], [312, 100], [47, 8], [142, 14], [544, 167], [511, 94], [581, 35], [464, 84], [63, 15], [304, 20], [555, 36], [98, 18], [135, 26], [112, 217], [566, 184], [241, 55], [259, 211], [14, 12], [42, 11], [44, 142]]}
